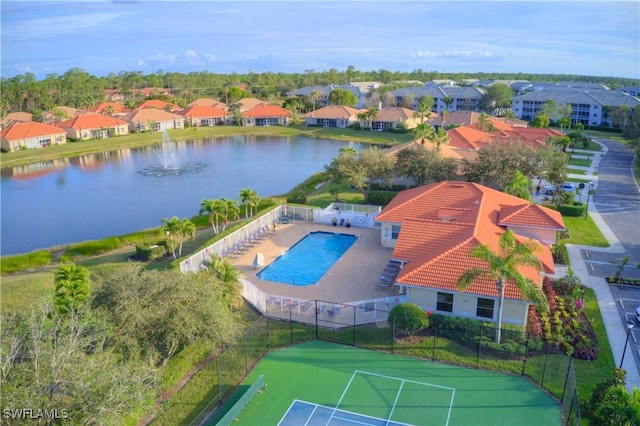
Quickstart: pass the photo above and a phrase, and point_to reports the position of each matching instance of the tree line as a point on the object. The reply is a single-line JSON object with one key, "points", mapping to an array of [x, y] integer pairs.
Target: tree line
{"points": [[78, 88]]}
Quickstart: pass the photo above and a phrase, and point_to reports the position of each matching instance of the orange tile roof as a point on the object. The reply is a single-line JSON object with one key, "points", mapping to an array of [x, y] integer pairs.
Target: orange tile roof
{"points": [[102, 107], [29, 129], [266, 111], [468, 138], [203, 111], [90, 121], [158, 104], [442, 222]]}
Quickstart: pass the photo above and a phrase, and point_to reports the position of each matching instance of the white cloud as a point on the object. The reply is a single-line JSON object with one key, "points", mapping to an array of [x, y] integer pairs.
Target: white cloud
{"points": [[424, 54]]}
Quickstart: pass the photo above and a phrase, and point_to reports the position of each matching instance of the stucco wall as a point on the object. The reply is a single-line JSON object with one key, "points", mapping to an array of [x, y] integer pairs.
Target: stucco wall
{"points": [[465, 304]]}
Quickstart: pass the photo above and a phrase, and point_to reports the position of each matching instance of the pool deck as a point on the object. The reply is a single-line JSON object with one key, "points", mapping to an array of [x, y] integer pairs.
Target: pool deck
{"points": [[352, 278]]}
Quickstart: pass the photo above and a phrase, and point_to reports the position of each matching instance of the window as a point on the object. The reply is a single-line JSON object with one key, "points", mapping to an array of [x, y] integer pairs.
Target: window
{"points": [[445, 302], [485, 308], [395, 232]]}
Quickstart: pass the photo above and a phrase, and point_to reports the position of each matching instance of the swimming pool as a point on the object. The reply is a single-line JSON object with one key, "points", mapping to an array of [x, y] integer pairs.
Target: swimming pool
{"points": [[309, 259]]}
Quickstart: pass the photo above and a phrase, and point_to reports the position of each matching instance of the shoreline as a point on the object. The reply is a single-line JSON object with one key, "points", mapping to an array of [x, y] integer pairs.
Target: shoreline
{"points": [[136, 140]]}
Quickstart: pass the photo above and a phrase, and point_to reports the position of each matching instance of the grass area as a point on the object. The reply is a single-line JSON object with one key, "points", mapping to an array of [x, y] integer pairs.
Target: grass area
{"points": [[617, 137], [21, 262], [135, 140], [577, 172], [581, 162], [583, 231], [22, 292], [590, 373]]}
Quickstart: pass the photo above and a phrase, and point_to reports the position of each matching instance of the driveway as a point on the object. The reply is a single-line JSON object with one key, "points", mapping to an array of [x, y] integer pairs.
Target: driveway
{"points": [[617, 200]]}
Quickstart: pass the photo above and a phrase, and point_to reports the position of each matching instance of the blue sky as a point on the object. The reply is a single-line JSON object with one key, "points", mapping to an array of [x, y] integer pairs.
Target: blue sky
{"points": [[575, 37]]}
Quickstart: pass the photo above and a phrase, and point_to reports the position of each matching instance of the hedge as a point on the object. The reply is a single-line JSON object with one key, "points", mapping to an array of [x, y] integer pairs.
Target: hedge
{"points": [[573, 210], [381, 198]]}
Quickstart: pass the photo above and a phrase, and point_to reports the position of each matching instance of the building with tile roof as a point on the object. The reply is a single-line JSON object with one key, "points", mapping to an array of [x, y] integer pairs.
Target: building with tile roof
{"points": [[93, 126], [204, 115], [394, 118], [333, 116], [16, 117], [110, 108], [247, 103], [433, 229], [151, 119], [30, 135], [209, 102], [158, 104], [266, 115]]}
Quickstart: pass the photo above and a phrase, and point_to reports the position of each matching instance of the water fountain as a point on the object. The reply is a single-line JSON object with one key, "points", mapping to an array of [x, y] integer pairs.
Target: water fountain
{"points": [[167, 156]]}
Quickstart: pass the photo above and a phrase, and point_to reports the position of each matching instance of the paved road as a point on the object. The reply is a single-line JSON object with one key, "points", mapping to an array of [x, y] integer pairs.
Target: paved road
{"points": [[617, 199]]}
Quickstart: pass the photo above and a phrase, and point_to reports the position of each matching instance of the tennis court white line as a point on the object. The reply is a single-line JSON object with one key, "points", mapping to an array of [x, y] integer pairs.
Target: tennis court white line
{"points": [[395, 402], [404, 380], [453, 390]]}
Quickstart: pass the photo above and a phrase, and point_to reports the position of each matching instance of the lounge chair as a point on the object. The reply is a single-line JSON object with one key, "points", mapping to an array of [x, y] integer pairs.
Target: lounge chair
{"points": [[342, 222]]}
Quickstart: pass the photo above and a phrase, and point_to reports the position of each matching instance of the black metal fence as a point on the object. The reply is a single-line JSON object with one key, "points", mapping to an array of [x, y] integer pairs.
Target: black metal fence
{"points": [[448, 340]]}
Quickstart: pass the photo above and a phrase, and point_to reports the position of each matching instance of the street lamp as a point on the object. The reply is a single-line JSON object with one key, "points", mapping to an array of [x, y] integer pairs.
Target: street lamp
{"points": [[586, 211], [630, 325]]}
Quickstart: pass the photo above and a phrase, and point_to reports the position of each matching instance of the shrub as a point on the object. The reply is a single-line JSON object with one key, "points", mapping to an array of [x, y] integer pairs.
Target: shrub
{"points": [[408, 317], [22, 262], [297, 197], [90, 248], [150, 252], [572, 210], [381, 198]]}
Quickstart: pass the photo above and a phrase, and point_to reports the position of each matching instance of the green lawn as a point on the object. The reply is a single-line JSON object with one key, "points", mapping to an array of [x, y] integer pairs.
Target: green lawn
{"points": [[582, 162], [21, 292], [583, 231]]}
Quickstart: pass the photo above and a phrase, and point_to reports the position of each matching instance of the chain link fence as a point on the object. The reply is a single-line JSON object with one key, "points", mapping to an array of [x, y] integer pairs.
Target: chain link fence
{"points": [[459, 343]]}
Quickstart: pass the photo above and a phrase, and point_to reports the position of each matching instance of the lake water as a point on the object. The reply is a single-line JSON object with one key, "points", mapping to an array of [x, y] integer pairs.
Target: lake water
{"points": [[115, 193]]}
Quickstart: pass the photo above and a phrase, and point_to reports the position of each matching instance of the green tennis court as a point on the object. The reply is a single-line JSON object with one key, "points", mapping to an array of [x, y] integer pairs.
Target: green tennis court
{"points": [[330, 384]]}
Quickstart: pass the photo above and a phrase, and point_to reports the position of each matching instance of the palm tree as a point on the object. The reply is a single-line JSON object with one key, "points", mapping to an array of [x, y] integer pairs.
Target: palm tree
{"points": [[372, 114], [229, 210], [448, 100], [443, 114], [362, 118], [214, 209], [423, 132], [483, 121], [172, 228], [424, 109], [228, 276], [186, 229], [439, 138], [503, 268], [314, 97], [72, 288], [520, 186], [250, 199]]}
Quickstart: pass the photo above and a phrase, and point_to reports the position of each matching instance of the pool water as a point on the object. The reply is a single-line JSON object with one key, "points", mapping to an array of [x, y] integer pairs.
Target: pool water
{"points": [[309, 259]]}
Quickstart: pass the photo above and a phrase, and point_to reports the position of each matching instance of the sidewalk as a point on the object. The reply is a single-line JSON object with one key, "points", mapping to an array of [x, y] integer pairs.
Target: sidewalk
{"points": [[616, 331]]}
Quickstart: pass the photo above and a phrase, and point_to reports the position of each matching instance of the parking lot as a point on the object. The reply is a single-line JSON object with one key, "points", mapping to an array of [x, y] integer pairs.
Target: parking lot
{"points": [[628, 299]]}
